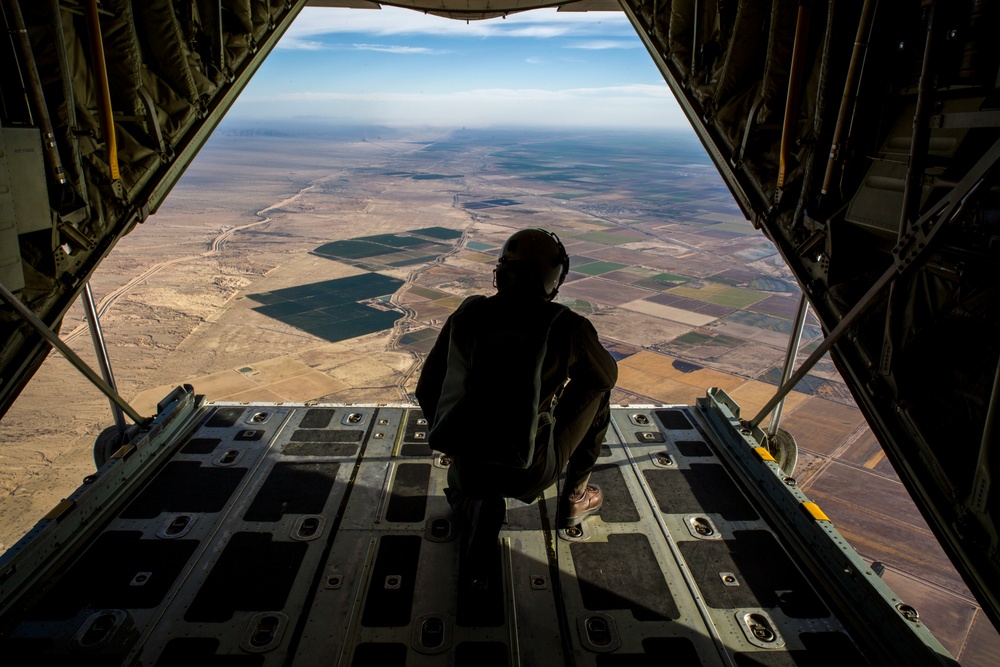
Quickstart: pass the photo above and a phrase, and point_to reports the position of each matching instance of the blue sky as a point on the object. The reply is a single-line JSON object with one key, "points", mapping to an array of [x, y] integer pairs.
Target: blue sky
{"points": [[399, 67]]}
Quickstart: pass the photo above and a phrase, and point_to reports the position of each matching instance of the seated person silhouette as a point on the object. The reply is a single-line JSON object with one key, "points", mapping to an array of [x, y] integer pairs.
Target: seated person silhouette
{"points": [[501, 369]]}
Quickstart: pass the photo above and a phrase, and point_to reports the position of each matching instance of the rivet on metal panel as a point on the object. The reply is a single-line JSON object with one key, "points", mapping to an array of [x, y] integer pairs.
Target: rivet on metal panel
{"points": [[258, 418], [309, 527], [229, 457], [140, 579], [598, 632], [177, 525], [264, 633], [445, 460], [908, 612], [383, 422], [538, 582], [421, 422], [90, 479], [99, 629], [334, 581], [760, 628], [432, 632], [393, 582], [640, 419], [379, 436], [790, 481], [663, 460], [420, 435], [729, 579], [702, 527], [355, 417], [440, 530], [577, 533]]}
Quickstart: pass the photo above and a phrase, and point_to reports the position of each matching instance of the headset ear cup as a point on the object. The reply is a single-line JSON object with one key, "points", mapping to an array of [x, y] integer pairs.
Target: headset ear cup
{"points": [[563, 258]]}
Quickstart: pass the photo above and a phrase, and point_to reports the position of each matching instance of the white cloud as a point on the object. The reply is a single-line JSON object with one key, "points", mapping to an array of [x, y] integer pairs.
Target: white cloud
{"points": [[633, 106], [602, 44], [304, 45], [407, 50], [540, 23]]}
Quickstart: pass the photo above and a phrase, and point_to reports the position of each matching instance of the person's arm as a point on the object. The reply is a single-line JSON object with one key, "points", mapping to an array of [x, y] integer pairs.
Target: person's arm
{"points": [[592, 373], [432, 374]]}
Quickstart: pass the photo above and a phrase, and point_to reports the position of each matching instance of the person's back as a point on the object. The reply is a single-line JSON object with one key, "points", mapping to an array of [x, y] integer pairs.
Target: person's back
{"points": [[496, 347], [493, 388]]}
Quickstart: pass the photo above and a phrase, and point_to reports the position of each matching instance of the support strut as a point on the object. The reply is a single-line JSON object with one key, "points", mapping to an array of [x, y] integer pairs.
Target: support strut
{"points": [[70, 355], [917, 242], [96, 335], [790, 354], [982, 482]]}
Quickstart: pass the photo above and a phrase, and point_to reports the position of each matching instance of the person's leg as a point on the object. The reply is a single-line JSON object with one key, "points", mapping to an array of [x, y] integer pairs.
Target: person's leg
{"points": [[480, 519], [579, 498], [580, 448]]}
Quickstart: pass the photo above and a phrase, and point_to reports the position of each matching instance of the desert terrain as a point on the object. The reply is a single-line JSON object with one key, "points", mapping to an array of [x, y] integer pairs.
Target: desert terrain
{"points": [[288, 268]]}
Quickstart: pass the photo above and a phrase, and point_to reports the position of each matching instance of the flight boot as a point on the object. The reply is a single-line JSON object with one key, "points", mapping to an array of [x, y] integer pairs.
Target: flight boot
{"points": [[577, 505], [481, 520]]}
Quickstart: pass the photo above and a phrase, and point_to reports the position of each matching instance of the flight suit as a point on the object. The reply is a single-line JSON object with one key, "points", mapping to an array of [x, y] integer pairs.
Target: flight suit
{"points": [[582, 412]]}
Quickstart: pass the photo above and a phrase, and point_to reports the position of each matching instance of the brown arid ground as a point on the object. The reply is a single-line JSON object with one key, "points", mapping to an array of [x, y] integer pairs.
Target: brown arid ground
{"points": [[181, 303]]}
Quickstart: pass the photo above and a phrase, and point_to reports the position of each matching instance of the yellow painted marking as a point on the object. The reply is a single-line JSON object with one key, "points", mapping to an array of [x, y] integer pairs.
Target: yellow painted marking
{"points": [[125, 452], [763, 454], [56, 513], [813, 510]]}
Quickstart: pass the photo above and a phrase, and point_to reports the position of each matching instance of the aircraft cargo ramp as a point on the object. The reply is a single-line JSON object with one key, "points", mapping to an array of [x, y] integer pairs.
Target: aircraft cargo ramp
{"points": [[233, 534]]}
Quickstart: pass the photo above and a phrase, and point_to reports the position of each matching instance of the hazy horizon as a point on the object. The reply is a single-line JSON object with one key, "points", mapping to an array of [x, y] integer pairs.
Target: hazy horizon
{"points": [[395, 66]]}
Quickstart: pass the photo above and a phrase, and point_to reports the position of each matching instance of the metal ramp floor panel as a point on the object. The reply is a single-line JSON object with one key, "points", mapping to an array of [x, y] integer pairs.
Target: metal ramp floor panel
{"points": [[278, 534]]}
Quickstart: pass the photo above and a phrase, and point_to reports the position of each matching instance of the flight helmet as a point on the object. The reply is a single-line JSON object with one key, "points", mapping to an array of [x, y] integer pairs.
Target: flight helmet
{"points": [[532, 260]]}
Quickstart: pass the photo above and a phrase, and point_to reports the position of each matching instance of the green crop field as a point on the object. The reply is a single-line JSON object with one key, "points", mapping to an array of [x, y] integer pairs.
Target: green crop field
{"points": [[330, 309], [606, 238], [597, 268], [722, 295]]}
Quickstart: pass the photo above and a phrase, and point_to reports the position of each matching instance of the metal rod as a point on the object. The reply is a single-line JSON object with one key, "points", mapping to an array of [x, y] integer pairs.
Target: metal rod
{"points": [[37, 97], [790, 355], [103, 361], [70, 355], [982, 482], [694, 40], [838, 331], [919, 140], [847, 100], [17, 68], [103, 89], [792, 98]]}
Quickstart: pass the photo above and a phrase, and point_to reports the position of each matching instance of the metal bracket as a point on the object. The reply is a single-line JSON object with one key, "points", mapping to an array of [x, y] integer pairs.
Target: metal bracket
{"points": [[153, 126], [910, 248]]}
